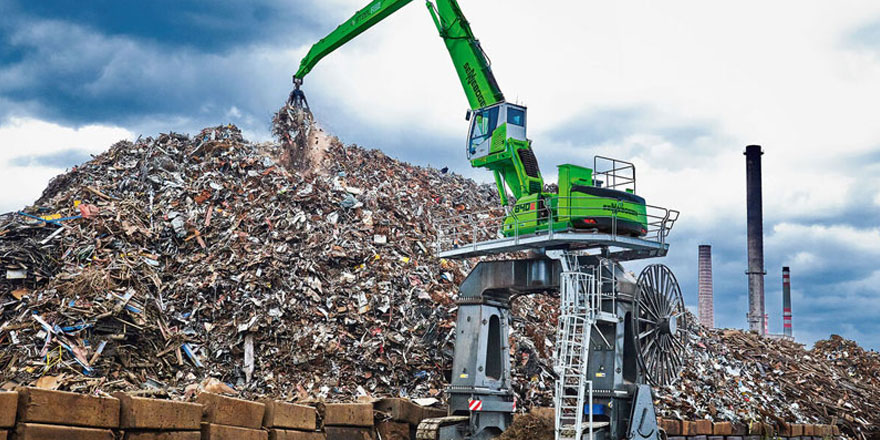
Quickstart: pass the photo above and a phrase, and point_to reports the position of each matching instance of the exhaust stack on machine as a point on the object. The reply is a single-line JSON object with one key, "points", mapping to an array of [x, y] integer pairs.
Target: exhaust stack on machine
{"points": [[755, 231], [705, 300], [786, 302]]}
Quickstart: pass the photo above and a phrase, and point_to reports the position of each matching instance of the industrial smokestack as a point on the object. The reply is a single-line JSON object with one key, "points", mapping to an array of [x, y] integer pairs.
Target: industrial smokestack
{"points": [[786, 302], [705, 301], [755, 231]]}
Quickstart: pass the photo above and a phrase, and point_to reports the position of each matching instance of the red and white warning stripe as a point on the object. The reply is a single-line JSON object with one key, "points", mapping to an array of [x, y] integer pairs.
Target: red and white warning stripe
{"points": [[475, 405], [514, 403]]}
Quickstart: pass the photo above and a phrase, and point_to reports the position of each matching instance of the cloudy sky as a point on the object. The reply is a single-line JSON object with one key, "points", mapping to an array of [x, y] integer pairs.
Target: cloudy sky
{"points": [[678, 87]]}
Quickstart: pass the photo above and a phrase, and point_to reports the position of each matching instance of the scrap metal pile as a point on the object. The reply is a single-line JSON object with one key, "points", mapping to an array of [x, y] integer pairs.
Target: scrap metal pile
{"points": [[167, 262], [738, 376]]}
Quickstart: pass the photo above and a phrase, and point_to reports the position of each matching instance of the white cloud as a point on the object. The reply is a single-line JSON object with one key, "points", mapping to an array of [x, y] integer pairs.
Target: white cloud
{"points": [[25, 137], [804, 260], [233, 112], [780, 75], [688, 57], [857, 241]]}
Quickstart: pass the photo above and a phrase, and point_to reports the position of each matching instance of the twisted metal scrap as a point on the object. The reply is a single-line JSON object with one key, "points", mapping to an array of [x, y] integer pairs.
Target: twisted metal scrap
{"points": [[292, 126]]}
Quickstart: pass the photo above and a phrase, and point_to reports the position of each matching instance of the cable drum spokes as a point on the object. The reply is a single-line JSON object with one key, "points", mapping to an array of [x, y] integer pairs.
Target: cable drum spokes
{"points": [[660, 325]]}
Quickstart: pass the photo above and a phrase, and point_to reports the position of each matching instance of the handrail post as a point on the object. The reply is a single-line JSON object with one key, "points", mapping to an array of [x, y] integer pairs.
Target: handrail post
{"points": [[663, 227], [515, 229], [614, 222]]}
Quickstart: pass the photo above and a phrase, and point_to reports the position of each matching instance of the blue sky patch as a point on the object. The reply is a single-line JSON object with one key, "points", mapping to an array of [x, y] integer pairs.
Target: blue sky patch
{"points": [[60, 159], [867, 36]]}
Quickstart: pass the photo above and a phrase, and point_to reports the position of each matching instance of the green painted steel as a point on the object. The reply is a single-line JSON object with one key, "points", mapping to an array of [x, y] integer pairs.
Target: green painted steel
{"points": [[584, 206], [470, 62], [473, 69], [568, 175], [505, 159], [579, 204], [364, 19]]}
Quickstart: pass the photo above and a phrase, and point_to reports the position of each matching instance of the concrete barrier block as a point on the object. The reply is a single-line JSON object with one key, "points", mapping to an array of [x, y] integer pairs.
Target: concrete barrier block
{"points": [[222, 410], [348, 414], [167, 415], [62, 408], [8, 408], [39, 431], [290, 416], [213, 431]]}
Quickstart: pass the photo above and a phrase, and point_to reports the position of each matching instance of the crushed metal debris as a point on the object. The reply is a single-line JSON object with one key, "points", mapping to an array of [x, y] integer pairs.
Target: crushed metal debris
{"points": [[733, 375], [205, 257], [310, 273]]}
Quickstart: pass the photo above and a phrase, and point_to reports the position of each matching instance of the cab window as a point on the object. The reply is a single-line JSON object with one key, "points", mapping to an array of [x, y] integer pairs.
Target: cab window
{"points": [[516, 116], [484, 124]]}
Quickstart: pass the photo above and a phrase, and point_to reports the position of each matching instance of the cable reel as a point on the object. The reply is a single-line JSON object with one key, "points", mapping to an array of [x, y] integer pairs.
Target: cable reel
{"points": [[661, 325]]}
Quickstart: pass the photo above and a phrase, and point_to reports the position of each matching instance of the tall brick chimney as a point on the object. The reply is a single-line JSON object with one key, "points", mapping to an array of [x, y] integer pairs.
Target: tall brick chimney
{"points": [[786, 301], [705, 300]]}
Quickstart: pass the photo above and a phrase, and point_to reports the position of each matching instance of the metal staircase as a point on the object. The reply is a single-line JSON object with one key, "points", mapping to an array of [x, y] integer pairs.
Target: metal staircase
{"points": [[579, 305]]}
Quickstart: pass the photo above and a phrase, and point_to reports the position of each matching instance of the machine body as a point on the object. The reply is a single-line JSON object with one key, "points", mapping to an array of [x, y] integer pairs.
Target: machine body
{"points": [[497, 136], [601, 388]]}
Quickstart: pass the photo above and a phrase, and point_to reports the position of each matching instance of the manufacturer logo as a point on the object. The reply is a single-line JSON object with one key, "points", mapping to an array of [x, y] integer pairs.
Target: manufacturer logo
{"points": [[619, 207], [471, 78], [366, 13]]}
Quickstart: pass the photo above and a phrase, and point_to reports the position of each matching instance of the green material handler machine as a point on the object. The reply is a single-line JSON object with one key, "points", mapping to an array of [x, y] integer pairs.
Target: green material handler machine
{"points": [[497, 139], [609, 341]]}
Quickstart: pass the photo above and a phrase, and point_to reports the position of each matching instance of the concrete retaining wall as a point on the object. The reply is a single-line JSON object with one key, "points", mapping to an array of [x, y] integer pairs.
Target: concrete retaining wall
{"points": [[707, 430], [37, 414]]}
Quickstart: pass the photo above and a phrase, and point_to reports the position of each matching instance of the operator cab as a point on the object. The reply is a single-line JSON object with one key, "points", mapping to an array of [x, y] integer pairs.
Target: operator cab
{"points": [[486, 120]]}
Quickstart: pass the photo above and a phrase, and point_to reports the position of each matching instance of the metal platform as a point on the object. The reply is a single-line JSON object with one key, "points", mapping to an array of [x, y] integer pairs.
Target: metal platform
{"points": [[479, 234], [619, 247]]}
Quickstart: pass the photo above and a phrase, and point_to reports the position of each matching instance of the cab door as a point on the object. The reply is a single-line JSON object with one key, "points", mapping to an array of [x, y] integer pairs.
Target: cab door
{"points": [[483, 124]]}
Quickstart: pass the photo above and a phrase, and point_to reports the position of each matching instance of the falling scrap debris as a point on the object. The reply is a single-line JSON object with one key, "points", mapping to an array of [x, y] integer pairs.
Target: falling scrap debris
{"points": [[183, 260], [303, 143]]}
